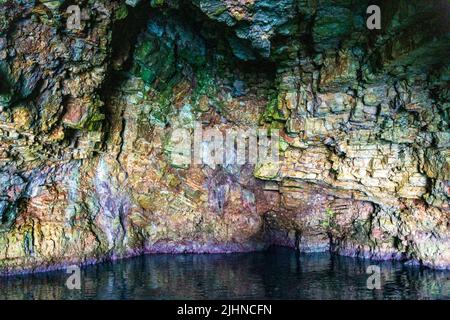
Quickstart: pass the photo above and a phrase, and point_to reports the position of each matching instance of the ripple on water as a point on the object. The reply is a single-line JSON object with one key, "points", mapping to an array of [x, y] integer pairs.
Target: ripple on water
{"points": [[279, 273]]}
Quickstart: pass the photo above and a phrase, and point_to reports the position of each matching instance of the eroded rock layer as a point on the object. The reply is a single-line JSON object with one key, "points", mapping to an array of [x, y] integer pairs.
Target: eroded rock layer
{"points": [[86, 117]]}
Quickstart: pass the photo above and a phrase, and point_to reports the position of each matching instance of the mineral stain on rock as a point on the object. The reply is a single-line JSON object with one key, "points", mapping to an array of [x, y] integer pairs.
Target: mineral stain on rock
{"points": [[86, 116]]}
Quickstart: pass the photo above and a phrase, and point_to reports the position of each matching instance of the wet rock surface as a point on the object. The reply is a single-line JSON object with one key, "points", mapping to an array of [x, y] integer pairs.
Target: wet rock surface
{"points": [[86, 117]]}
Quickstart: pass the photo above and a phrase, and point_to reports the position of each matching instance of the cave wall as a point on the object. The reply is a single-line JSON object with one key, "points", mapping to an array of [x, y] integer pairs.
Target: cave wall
{"points": [[86, 118]]}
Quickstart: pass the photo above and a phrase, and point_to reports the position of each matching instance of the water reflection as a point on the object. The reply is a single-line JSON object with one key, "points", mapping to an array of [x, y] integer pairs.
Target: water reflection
{"points": [[279, 273]]}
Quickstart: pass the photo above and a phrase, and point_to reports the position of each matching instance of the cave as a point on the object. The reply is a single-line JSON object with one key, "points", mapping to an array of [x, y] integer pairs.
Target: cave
{"points": [[87, 117]]}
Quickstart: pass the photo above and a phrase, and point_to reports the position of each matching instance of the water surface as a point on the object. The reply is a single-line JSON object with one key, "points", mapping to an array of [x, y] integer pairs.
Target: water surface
{"points": [[278, 273]]}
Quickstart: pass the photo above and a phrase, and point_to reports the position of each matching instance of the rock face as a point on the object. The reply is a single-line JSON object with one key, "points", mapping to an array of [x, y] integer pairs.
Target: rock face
{"points": [[86, 117]]}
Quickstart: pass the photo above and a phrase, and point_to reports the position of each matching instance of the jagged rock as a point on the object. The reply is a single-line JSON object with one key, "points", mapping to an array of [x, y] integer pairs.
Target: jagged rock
{"points": [[86, 117]]}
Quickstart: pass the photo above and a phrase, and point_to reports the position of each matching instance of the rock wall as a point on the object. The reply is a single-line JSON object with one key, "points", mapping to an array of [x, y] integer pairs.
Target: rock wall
{"points": [[86, 117]]}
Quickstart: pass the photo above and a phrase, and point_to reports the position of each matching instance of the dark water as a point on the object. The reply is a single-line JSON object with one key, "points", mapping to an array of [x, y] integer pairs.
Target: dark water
{"points": [[279, 273]]}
